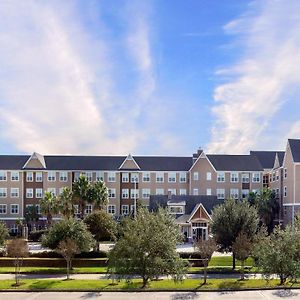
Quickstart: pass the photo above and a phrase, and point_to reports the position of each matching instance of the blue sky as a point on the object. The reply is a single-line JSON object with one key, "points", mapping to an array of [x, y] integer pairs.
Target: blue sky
{"points": [[148, 77]]}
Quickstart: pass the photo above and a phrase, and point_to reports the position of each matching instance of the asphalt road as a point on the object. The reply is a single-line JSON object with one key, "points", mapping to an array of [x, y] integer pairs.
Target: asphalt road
{"points": [[249, 295]]}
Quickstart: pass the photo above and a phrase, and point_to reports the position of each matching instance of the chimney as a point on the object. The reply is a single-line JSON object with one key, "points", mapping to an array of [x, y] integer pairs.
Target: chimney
{"points": [[197, 154]]}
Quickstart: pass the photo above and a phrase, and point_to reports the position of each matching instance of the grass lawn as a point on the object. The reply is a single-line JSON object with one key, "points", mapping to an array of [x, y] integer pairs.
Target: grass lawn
{"points": [[222, 261], [105, 284], [46, 270]]}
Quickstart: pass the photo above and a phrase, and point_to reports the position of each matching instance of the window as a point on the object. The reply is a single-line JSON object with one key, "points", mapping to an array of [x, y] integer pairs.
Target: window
{"points": [[14, 229], [273, 176], [134, 177], [88, 209], [196, 176], [39, 193], [172, 191], [3, 175], [60, 190], [221, 177], [245, 178], [277, 192], [145, 193], [285, 191], [89, 176], [14, 208], [195, 192], [208, 192], [38, 176], [3, 208], [14, 192], [171, 177], [182, 177], [256, 177], [285, 172], [111, 193], [245, 194], [221, 193], [270, 178], [125, 210], [99, 176], [3, 192], [125, 177], [159, 192], [63, 176], [76, 175], [146, 177], [111, 209], [208, 176], [14, 176], [125, 193], [111, 177], [234, 193], [29, 176], [52, 190], [182, 192], [176, 209], [234, 177], [29, 193], [134, 193], [277, 175], [132, 208], [159, 177], [51, 176]]}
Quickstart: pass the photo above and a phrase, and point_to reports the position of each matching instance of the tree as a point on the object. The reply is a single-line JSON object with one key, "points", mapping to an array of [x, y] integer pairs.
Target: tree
{"points": [[206, 248], [72, 229], [99, 194], [242, 248], [68, 248], [18, 249], [31, 214], [4, 233], [65, 203], [231, 218], [148, 248], [49, 206], [102, 226]]}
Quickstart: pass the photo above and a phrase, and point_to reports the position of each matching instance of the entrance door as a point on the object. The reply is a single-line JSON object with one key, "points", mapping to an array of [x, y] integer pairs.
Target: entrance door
{"points": [[199, 233]]}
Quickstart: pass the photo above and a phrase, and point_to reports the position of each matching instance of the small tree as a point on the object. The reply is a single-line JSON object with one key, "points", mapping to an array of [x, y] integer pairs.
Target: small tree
{"points": [[17, 249], [49, 206], [68, 248], [242, 248], [206, 248], [4, 233], [102, 226]]}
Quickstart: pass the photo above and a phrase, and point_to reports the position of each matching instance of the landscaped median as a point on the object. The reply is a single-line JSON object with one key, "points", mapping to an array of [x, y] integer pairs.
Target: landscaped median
{"points": [[136, 285]]}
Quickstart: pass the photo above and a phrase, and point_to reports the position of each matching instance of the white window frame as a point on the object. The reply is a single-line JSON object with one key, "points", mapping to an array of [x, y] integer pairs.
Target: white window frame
{"points": [[29, 176], [111, 209], [221, 177], [14, 206], [285, 191], [245, 193], [63, 176], [13, 176], [39, 176], [182, 177], [146, 176], [39, 193], [112, 193], [146, 193], [99, 176], [256, 177], [195, 176], [285, 173], [29, 193], [134, 193], [52, 190], [208, 176], [13, 193], [208, 192], [125, 177], [88, 209], [3, 192], [171, 177], [3, 207], [89, 176], [245, 178], [234, 177], [160, 177], [111, 177], [125, 209], [159, 192], [182, 192], [125, 193], [221, 193], [3, 175], [234, 193], [51, 176], [173, 191], [176, 209], [134, 177], [196, 192]]}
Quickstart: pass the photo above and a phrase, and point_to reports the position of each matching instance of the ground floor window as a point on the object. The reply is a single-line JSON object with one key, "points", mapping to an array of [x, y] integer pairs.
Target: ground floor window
{"points": [[111, 209], [125, 210]]}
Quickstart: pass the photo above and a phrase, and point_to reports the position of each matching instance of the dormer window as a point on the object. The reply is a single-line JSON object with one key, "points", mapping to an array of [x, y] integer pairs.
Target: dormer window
{"points": [[176, 209]]}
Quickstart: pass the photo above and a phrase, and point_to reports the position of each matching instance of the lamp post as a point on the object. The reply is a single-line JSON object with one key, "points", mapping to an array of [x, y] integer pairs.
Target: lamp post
{"points": [[135, 179]]}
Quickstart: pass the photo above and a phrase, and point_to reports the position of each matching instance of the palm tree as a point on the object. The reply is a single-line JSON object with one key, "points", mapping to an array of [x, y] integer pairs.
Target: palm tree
{"points": [[65, 203], [99, 194], [49, 206]]}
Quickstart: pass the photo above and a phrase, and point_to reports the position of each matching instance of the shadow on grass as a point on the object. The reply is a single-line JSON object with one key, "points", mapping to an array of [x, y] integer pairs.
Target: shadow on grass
{"points": [[42, 284]]}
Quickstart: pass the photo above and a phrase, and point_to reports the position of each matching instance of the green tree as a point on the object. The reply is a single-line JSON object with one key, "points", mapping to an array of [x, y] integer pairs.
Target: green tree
{"points": [[231, 218], [31, 214], [75, 230], [65, 203], [148, 248], [4, 233], [99, 194], [102, 226], [49, 206]]}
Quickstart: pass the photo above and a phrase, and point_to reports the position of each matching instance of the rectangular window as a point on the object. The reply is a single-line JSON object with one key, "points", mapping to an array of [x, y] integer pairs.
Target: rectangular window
{"points": [[285, 191], [182, 192], [221, 177], [125, 210], [134, 193], [270, 178], [111, 176], [3, 192], [146, 193], [277, 192], [14, 192], [255, 177], [146, 177], [51, 176], [29, 176], [111, 193], [172, 191], [111, 209], [171, 177], [39, 193], [273, 176], [60, 190], [3, 208], [234, 177], [76, 175], [277, 175], [63, 176], [132, 208], [125, 193], [208, 176], [285, 172], [3, 175], [99, 176], [125, 177], [245, 178], [14, 208], [176, 209], [195, 192], [39, 177], [221, 193], [14, 176], [14, 229], [195, 176], [208, 192], [159, 177], [182, 177], [134, 177], [89, 176], [52, 190], [29, 193], [88, 209], [159, 192], [234, 193], [245, 194]]}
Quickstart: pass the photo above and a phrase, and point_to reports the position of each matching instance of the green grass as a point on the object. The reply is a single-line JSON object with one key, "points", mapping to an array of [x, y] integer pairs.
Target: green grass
{"points": [[222, 261], [105, 284], [48, 270]]}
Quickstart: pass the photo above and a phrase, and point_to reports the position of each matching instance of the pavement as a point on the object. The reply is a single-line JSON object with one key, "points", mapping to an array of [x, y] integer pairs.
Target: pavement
{"points": [[242, 295]]}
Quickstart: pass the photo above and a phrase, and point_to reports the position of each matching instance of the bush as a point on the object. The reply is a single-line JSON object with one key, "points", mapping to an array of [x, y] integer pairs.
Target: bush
{"points": [[53, 254], [36, 236]]}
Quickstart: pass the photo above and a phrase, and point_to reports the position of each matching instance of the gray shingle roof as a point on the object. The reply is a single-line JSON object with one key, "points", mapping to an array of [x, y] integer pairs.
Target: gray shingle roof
{"points": [[295, 149], [280, 157], [13, 162], [222, 162], [267, 158]]}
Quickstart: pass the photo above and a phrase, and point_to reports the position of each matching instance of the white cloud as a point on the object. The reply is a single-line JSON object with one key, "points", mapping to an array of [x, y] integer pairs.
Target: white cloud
{"points": [[260, 82]]}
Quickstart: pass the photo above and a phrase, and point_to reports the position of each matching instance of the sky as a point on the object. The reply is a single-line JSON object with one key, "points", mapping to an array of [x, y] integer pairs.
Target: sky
{"points": [[152, 77]]}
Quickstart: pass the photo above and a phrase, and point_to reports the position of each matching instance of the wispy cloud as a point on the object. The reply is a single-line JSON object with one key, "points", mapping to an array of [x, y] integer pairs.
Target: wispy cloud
{"points": [[261, 80]]}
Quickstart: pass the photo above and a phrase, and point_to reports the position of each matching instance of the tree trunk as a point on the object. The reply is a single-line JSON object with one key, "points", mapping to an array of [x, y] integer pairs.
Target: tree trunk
{"points": [[16, 274], [233, 261], [145, 280], [242, 270], [282, 279], [68, 269], [205, 273]]}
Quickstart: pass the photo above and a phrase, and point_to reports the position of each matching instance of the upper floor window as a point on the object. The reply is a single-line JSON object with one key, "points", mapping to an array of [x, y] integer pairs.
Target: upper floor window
{"points": [[195, 192], [38, 176], [176, 209], [134, 193], [63, 176], [99, 176], [125, 193], [270, 178], [29, 176], [172, 191], [208, 192], [234, 177], [245, 178], [111, 176], [255, 177], [89, 176], [145, 193], [159, 192], [182, 192], [171, 177], [159, 177], [3, 192], [273, 176], [14, 176], [277, 175], [182, 176], [208, 176], [285, 191], [51, 176], [111, 209], [3, 208], [221, 193], [112, 193], [3, 175], [285, 172], [39, 193], [245, 193], [125, 177], [134, 177], [146, 177], [221, 177], [234, 193], [14, 192], [195, 176], [29, 193]]}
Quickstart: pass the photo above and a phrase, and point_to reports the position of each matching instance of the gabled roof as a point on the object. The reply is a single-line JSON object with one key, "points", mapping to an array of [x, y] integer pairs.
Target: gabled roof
{"points": [[267, 158], [35, 161], [224, 162], [129, 163], [295, 149], [13, 162], [280, 156]]}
